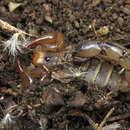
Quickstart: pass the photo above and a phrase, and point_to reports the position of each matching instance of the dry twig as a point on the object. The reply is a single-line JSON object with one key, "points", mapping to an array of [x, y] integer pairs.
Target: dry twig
{"points": [[7, 27], [105, 119], [96, 126], [17, 42]]}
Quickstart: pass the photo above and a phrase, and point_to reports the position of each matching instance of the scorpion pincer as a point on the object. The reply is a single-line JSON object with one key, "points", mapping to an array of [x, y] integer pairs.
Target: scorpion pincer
{"points": [[53, 42], [49, 42]]}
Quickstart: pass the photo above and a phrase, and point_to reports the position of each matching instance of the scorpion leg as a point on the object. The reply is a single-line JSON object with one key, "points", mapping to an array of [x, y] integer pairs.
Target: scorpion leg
{"points": [[26, 79], [30, 74], [52, 42], [106, 50]]}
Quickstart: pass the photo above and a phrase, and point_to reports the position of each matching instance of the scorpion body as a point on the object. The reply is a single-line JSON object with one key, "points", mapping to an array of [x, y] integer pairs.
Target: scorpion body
{"points": [[51, 52]]}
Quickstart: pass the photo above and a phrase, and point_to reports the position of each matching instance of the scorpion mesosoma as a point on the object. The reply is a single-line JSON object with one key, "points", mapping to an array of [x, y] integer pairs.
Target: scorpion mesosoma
{"points": [[50, 52]]}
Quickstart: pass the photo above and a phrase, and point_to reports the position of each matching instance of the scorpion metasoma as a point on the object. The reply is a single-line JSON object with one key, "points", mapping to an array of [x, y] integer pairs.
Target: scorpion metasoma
{"points": [[99, 63]]}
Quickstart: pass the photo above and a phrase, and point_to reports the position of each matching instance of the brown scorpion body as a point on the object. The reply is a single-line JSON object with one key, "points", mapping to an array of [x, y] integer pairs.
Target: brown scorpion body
{"points": [[98, 62]]}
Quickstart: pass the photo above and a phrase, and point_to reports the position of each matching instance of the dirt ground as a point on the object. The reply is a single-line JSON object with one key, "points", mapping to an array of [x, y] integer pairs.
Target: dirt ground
{"points": [[59, 106]]}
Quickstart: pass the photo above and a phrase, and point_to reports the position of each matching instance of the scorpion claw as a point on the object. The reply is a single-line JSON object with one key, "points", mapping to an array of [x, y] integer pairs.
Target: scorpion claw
{"points": [[26, 79], [52, 42], [27, 76]]}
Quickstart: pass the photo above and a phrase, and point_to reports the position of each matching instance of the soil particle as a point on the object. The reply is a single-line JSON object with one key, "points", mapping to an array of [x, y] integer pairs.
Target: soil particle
{"points": [[115, 16], [120, 21], [125, 10], [77, 101], [51, 99]]}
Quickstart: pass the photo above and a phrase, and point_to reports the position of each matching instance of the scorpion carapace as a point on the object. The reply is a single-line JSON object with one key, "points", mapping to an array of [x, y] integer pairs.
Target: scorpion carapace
{"points": [[53, 42], [51, 59]]}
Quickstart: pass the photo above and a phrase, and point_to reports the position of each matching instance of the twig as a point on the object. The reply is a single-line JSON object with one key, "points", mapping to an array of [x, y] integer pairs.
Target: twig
{"points": [[6, 26], [105, 119], [17, 42], [91, 122], [85, 116], [95, 126]]}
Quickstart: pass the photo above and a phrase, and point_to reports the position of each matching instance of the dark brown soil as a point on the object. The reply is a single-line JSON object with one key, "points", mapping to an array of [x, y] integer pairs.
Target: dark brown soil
{"points": [[80, 21]]}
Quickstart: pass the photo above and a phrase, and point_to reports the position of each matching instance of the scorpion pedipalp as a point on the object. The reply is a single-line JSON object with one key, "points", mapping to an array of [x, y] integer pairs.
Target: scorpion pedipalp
{"points": [[26, 79], [28, 75], [53, 42]]}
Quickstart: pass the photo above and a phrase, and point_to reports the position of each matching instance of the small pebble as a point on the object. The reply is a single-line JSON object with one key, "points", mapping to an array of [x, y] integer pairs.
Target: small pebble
{"points": [[13, 6], [48, 19], [114, 16], [126, 11], [76, 24], [103, 30], [120, 21], [95, 3], [2, 9], [47, 7], [77, 2]]}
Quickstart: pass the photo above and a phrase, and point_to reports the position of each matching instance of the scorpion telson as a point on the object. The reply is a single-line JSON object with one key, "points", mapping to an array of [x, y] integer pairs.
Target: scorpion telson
{"points": [[106, 50]]}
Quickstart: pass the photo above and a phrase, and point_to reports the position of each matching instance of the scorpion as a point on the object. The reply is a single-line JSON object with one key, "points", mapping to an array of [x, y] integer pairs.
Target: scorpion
{"points": [[97, 65]]}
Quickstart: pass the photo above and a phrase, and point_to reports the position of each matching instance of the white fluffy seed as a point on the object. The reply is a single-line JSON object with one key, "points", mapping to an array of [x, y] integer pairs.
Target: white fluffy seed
{"points": [[14, 45]]}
